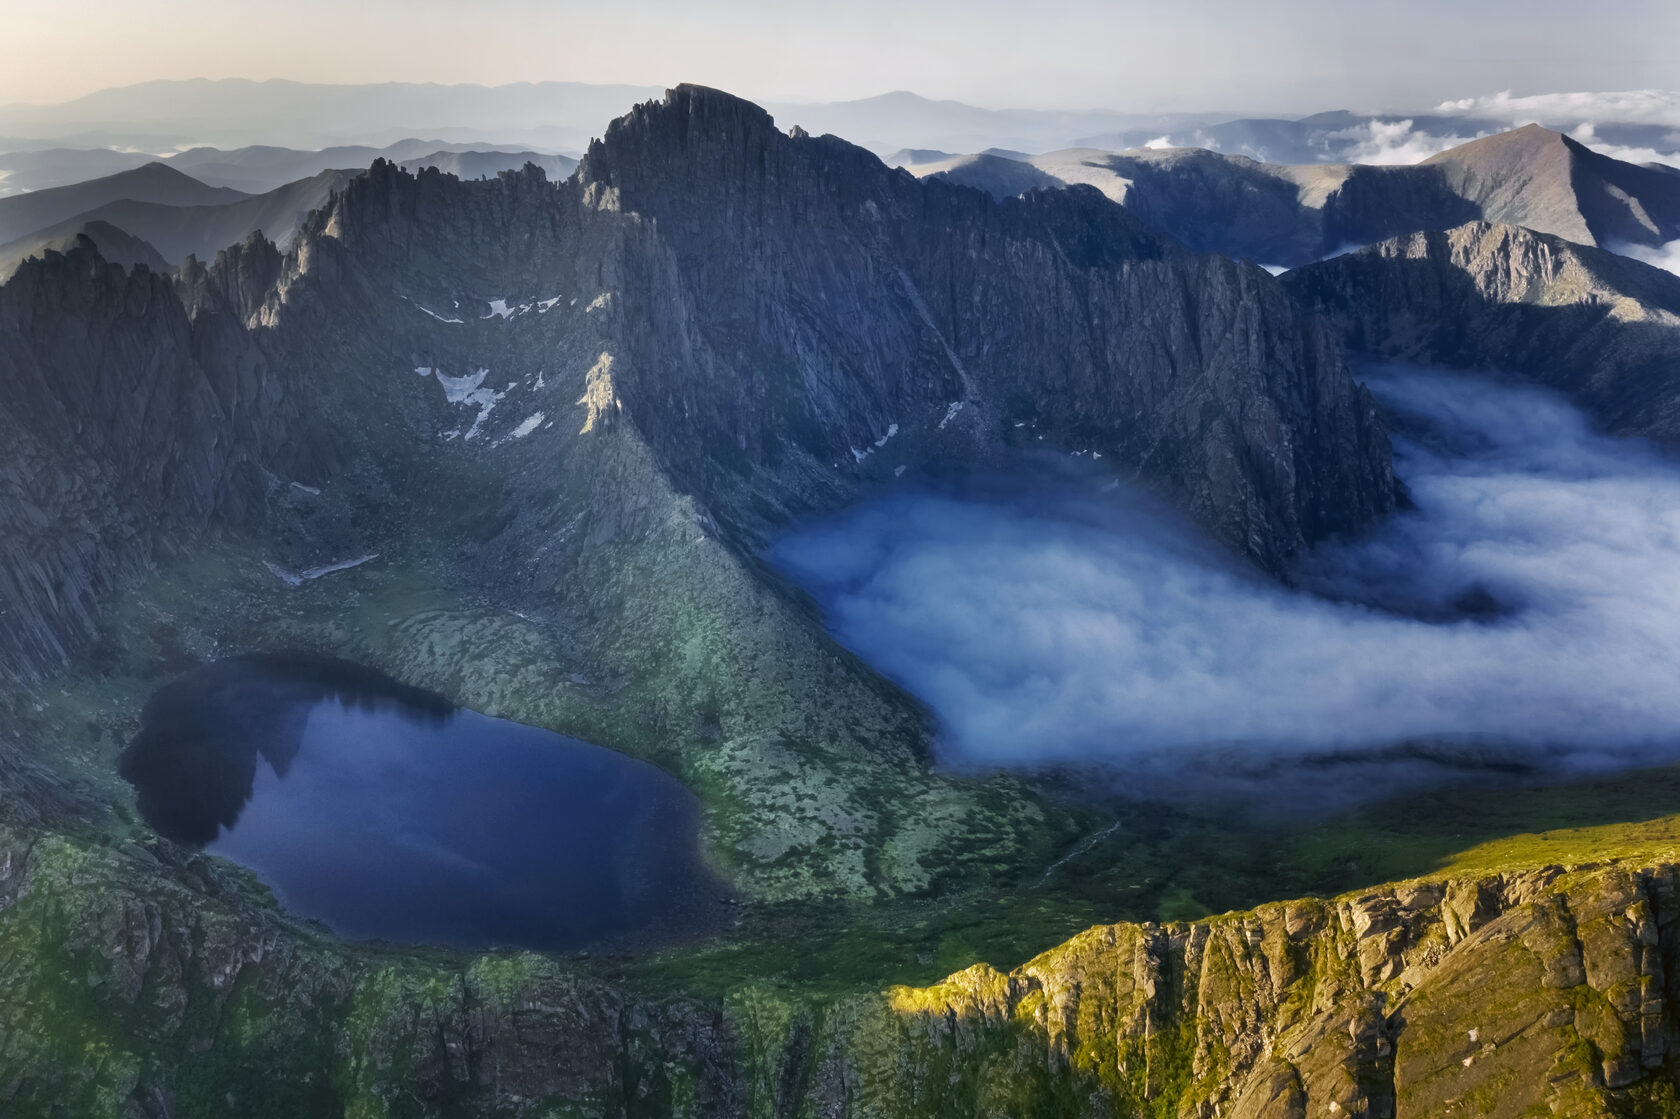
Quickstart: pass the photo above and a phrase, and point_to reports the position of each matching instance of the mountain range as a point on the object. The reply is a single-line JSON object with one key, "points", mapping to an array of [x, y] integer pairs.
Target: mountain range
{"points": [[166, 116], [1287, 215], [559, 420]]}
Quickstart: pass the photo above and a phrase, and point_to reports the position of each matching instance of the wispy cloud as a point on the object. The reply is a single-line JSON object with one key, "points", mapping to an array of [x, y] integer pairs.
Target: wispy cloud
{"points": [[1633, 106], [1393, 142], [1530, 596]]}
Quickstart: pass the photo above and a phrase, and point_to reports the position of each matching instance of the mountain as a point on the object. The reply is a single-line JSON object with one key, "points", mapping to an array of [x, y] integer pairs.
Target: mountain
{"points": [[115, 246], [1550, 183], [52, 167], [1194, 366], [1286, 215], [174, 233], [30, 213], [1276, 214], [258, 169], [264, 168], [1601, 327]]}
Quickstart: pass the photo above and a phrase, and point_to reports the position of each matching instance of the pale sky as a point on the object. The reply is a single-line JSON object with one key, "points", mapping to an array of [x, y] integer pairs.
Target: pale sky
{"points": [[1118, 54]]}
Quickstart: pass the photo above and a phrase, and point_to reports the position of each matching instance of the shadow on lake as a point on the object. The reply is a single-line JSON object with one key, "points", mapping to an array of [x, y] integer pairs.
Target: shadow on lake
{"points": [[388, 813]]}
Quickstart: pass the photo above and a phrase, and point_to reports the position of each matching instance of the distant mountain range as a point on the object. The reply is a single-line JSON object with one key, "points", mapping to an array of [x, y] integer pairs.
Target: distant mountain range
{"points": [[262, 167], [562, 117], [1289, 214]]}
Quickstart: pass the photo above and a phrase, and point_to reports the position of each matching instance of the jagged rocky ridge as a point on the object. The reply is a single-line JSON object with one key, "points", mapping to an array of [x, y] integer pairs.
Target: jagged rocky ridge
{"points": [[764, 310], [1601, 327]]}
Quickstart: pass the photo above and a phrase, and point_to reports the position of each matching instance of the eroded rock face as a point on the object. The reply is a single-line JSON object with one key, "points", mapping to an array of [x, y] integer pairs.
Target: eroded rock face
{"points": [[1539, 992], [1600, 327]]}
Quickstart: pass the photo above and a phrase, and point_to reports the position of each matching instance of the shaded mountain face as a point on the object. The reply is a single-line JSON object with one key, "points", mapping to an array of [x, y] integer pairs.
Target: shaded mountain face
{"points": [[53, 167], [25, 214], [1601, 327], [776, 317], [1287, 215], [906, 299]]}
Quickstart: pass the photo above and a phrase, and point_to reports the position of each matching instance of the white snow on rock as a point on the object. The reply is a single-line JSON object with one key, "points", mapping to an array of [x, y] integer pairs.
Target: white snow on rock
{"points": [[530, 424], [468, 390], [500, 310], [435, 315], [950, 414], [892, 430], [302, 577], [546, 305]]}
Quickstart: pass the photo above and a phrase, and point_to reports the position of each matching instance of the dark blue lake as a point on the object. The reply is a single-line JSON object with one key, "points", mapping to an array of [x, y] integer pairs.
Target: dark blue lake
{"points": [[388, 813]]}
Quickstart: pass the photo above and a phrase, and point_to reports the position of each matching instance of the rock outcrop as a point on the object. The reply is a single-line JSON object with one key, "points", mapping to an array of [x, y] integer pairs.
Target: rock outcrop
{"points": [[1540, 992]]}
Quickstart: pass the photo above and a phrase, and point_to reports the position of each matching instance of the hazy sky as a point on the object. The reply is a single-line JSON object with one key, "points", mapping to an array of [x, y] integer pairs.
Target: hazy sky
{"points": [[1122, 54]]}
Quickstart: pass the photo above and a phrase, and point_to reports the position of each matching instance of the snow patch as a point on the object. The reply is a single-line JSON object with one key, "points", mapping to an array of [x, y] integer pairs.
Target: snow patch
{"points": [[544, 306], [435, 315], [306, 489], [530, 424], [950, 414], [892, 430], [468, 390], [500, 310], [298, 579]]}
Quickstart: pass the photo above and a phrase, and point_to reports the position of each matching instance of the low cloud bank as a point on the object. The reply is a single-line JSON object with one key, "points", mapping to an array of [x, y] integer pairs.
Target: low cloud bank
{"points": [[1665, 256], [1529, 600]]}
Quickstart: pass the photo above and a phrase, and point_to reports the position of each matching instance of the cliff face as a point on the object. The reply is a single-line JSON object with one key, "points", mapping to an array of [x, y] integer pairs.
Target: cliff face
{"points": [[113, 448], [827, 299], [1601, 327], [130, 430], [1542, 992]]}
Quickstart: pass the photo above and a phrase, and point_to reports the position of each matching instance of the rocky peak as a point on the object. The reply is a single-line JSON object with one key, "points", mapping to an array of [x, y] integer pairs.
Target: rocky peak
{"points": [[240, 279]]}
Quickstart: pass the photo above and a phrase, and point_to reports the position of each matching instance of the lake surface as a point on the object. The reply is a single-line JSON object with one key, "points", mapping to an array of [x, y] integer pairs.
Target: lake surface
{"points": [[388, 813]]}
